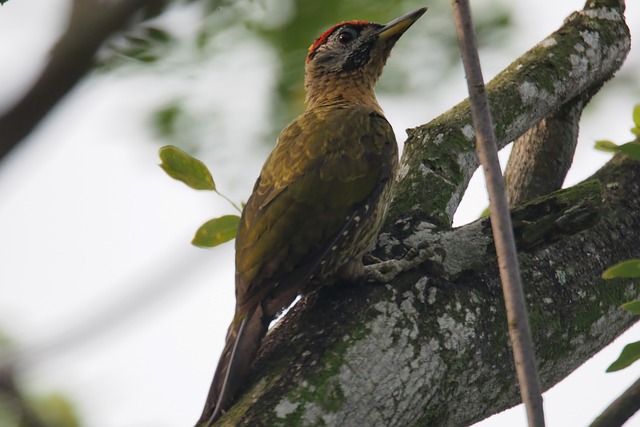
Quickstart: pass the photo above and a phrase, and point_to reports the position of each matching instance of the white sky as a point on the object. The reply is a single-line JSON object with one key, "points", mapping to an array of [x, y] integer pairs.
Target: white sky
{"points": [[90, 224]]}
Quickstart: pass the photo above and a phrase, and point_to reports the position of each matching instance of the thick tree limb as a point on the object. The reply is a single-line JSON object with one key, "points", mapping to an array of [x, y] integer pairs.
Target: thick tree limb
{"points": [[428, 350], [539, 222], [540, 159], [439, 158]]}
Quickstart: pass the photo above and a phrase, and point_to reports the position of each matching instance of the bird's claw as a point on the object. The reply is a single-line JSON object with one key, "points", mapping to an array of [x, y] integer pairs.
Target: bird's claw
{"points": [[386, 271]]}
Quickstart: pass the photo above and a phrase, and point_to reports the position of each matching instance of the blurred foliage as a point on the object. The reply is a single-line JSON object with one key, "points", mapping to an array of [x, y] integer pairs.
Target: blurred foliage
{"points": [[166, 120], [55, 410], [149, 45], [174, 122], [52, 410], [18, 409], [144, 43]]}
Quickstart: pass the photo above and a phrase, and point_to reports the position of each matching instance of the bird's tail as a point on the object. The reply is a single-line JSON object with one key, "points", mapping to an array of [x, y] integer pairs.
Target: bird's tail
{"points": [[243, 341]]}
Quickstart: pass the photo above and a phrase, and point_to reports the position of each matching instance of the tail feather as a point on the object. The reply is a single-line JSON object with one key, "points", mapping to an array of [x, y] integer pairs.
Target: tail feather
{"points": [[240, 349]]}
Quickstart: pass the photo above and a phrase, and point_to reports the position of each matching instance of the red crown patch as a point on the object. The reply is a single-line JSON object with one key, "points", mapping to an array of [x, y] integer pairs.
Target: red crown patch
{"points": [[322, 38]]}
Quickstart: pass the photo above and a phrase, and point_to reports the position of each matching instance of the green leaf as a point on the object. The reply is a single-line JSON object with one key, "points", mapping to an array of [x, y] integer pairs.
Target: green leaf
{"points": [[630, 268], [630, 353], [216, 231], [632, 307], [631, 149], [606, 145], [635, 131], [181, 166], [636, 115]]}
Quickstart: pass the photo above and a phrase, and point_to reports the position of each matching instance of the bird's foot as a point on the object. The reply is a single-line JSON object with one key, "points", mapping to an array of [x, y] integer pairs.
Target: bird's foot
{"points": [[352, 271], [369, 259], [386, 271]]}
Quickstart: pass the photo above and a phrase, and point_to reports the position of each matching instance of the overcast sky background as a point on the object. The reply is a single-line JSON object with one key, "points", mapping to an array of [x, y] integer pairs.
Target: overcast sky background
{"points": [[89, 224]]}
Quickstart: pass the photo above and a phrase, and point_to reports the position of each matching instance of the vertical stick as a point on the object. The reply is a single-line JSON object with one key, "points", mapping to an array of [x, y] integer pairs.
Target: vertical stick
{"points": [[517, 318]]}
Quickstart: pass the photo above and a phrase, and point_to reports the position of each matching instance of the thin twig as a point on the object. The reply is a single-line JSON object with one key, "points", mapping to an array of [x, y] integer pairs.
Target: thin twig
{"points": [[517, 318]]}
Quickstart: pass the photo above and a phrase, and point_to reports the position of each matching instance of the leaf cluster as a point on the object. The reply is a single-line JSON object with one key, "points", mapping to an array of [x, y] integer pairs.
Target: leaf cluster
{"points": [[191, 171]]}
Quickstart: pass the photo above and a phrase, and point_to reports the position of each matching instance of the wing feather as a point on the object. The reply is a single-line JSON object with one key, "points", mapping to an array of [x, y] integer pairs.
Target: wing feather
{"points": [[327, 166]]}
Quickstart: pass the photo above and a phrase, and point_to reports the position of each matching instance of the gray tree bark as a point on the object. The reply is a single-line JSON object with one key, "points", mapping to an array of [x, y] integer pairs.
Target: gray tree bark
{"points": [[541, 158], [430, 347]]}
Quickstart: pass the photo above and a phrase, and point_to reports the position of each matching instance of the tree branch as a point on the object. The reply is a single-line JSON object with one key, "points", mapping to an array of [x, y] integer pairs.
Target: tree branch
{"points": [[620, 409], [439, 158], [541, 221], [429, 350], [540, 159]]}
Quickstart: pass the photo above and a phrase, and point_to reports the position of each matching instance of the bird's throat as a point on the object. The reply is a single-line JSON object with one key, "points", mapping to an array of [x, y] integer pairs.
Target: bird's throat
{"points": [[352, 88]]}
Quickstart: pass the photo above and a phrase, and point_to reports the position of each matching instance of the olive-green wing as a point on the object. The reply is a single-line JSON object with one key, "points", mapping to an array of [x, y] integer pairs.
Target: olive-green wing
{"points": [[326, 168]]}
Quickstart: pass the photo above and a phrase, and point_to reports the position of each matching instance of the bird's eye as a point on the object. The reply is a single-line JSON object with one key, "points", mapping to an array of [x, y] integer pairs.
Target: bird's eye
{"points": [[346, 35]]}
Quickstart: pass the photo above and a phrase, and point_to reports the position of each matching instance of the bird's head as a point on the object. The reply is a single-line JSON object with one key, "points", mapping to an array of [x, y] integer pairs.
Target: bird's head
{"points": [[346, 60]]}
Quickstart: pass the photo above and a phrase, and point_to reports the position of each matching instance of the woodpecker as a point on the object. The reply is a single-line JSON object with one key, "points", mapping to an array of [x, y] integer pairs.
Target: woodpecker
{"points": [[321, 196]]}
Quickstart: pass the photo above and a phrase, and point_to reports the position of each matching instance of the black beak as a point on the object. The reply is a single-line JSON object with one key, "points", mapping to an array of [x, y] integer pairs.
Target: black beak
{"points": [[398, 26]]}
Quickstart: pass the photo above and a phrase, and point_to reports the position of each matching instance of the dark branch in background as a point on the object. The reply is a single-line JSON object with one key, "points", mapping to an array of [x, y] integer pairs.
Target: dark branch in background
{"points": [[541, 158], [90, 24], [621, 409], [517, 317]]}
